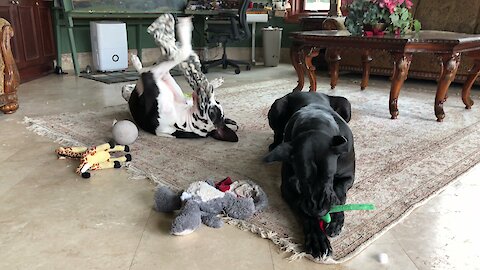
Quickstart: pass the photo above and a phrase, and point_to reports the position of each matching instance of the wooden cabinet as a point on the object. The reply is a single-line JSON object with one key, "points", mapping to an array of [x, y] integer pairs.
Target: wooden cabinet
{"points": [[33, 44]]}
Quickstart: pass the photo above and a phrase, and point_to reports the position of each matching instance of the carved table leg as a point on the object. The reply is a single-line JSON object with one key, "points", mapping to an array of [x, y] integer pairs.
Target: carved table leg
{"points": [[449, 69], [467, 86], [442, 72], [312, 52], [366, 59], [296, 55], [401, 66], [10, 103], [333, 58], [11, 78]]}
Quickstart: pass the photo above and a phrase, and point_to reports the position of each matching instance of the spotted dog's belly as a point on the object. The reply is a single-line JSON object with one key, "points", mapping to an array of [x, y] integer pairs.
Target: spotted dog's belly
{"points": [[170, 110]]}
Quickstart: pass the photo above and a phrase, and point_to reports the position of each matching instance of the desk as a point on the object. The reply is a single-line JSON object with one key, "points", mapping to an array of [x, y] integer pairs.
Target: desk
{"points": [[251, 18], [209, 12], [448, 46]]}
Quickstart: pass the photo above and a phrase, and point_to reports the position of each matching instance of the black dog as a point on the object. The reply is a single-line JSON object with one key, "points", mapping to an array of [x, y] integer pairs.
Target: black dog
{"points": [[318, 161], [283, 108]]}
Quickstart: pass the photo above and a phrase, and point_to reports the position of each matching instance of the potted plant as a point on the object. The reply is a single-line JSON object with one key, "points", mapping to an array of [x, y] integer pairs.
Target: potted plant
{"points": [[401, 19], [372, 17]]}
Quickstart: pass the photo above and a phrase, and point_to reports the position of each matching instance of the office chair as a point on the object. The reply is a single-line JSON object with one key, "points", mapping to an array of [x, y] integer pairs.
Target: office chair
{"points": [[226, 28]]}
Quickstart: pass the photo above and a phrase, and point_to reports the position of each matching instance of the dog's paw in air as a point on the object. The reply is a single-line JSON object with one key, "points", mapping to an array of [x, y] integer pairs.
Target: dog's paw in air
{"points": [[316, 242], [335, 226], [137, 64]]}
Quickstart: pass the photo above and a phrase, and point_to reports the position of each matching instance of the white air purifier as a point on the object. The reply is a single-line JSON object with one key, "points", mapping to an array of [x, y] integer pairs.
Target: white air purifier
{"points": [[109, 45]]}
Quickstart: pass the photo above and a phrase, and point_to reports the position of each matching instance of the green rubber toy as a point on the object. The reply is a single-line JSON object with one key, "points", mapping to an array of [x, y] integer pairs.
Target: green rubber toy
{"points": [[347, 207]]}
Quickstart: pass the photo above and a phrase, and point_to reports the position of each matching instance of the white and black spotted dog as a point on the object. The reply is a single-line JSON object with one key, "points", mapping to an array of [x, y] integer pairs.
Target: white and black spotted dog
{"points": [[157, 102]]}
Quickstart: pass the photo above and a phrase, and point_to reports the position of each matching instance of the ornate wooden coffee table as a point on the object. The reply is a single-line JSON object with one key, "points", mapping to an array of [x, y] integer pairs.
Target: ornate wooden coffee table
{"points": [[447, 45]]}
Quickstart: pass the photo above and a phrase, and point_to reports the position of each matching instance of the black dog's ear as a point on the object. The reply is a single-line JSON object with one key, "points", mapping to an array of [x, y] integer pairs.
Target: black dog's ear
{"points": [[224, 133], [279, 153], [339, 145]]}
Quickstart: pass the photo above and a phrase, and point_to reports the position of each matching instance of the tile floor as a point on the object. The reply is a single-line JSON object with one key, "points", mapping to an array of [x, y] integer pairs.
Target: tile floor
{"points": [[52, 219]]}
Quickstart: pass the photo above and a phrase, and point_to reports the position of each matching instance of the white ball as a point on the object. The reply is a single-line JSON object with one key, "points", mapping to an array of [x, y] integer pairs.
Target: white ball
{"points": [[383, 258], [124, 132]]}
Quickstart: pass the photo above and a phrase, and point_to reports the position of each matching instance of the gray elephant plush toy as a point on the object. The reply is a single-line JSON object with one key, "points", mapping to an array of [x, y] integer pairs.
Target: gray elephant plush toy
{"points": [[203, 201]]}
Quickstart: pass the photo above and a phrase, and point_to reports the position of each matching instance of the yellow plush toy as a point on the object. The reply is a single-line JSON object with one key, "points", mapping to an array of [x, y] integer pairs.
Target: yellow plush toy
{"points": [[96, 157]]}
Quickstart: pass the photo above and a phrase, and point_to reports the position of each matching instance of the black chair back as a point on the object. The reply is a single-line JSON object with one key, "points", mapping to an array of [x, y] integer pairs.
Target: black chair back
{"points": [[242, 20], [224, 29]]}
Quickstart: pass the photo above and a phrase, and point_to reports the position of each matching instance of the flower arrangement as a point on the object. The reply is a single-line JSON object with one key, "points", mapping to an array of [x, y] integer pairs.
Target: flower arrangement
{"points": [[393, 15]]}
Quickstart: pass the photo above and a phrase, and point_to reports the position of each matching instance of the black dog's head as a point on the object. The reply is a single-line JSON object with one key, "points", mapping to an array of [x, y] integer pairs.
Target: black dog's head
{"points": [[312, 157]]}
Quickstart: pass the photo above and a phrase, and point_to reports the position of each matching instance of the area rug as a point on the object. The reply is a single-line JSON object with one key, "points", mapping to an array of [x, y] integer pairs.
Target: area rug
{"points": [[400, 163]]}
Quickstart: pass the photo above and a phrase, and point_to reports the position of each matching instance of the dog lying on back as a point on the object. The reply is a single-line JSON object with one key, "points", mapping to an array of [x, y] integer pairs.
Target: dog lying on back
{"points": [[156, 101], [316, 147]]}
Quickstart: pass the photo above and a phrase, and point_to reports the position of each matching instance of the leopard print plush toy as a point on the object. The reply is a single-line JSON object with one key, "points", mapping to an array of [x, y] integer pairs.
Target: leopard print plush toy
{"points": [[96, 157]]}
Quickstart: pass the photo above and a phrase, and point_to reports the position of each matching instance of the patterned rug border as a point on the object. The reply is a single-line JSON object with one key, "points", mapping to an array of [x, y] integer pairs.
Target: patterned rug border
{"points": [[39, 127]]}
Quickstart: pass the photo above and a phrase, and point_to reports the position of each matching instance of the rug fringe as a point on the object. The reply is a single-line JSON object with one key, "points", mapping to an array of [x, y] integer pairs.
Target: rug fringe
{"points": [[39, 127], [137, 174], [285, 243]]}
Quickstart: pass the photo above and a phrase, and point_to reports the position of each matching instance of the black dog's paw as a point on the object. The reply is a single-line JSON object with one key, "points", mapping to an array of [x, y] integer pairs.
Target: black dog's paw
{"points": [[335, 226], [316, 242], [272, 146]]}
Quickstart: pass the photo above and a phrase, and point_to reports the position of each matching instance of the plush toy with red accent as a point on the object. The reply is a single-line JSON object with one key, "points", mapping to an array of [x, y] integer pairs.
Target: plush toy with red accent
{"points": [[203, 201]]}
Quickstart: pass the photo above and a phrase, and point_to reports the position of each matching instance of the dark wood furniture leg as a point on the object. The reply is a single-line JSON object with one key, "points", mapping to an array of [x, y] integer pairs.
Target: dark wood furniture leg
{"points": [[11, 78], [366, 59], [472, 76], [401, 66], [442, 72], [449, 69], [333, 58], [312, 52], [297, 62], [11, 103]]}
